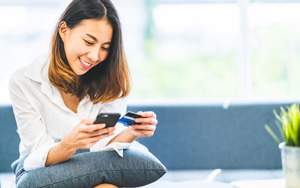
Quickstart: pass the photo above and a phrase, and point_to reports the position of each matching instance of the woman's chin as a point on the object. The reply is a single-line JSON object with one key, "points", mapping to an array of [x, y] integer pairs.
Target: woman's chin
{"points": [[80, 73]]}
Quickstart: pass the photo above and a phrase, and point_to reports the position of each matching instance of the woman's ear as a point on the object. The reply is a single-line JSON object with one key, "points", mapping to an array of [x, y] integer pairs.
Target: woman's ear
{"points": [[63, 29]]}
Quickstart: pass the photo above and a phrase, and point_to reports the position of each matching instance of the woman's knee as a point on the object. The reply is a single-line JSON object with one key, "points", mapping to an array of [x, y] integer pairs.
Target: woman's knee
{"points": [[105, 185]]}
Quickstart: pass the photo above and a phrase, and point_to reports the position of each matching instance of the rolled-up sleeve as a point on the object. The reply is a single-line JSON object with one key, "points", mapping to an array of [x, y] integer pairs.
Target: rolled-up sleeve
{"points": [[120, 106], [31, 128]]}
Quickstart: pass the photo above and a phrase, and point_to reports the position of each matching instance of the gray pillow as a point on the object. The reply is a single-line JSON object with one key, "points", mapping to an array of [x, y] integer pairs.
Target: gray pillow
{"points": [[137, 167]]}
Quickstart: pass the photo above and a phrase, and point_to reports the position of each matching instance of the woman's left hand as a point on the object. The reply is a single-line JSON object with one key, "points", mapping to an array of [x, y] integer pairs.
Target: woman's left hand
{"points": [[147, 127]]}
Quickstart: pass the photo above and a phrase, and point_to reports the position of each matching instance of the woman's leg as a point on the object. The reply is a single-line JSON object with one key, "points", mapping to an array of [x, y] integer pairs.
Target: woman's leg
{"points": [[105, 185]]}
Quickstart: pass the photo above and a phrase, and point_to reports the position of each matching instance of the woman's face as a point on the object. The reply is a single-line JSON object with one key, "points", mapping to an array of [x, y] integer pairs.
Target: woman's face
{"points": [[87, 44]]}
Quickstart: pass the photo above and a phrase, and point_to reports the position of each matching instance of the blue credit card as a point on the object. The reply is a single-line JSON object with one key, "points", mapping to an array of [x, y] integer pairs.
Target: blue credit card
{"points": [[128, 118]]}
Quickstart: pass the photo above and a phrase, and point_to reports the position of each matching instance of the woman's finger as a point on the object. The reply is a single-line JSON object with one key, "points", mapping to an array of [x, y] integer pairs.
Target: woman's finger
{"points": [[151, 121], [146, 114], [93, 128], [89, 142], [143, 133], [144, 127], [101, 132], [87, 121]]}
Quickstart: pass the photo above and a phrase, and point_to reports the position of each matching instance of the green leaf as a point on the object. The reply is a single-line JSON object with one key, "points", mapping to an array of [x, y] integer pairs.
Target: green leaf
{"points": [[280, 129], [277, 116], [288, 123], [272, 134]]}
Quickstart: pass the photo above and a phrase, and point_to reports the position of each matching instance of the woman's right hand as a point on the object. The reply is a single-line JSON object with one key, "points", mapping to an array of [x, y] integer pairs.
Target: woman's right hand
{"points": [[86, 134]]}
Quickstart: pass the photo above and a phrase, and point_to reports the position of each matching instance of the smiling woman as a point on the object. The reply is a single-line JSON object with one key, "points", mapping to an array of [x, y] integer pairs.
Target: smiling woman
{"points": [[83, 45], [57, 99]]}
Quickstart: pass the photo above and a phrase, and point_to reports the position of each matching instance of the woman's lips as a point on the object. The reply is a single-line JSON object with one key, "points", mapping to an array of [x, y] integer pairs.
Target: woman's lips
{"points": [[84, 64]]}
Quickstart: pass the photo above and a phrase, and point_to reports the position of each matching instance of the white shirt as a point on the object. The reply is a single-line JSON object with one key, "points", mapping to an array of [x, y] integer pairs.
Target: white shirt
{"points": [[42, 118]]}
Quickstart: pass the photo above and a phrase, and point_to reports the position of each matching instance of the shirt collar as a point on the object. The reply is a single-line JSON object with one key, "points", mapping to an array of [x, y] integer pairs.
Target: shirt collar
{"points": [[38, 69], [38, 72]]}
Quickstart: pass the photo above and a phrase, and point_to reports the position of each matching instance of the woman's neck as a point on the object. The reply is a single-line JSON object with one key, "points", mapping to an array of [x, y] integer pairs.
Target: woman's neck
{"points": [[71, 101]]}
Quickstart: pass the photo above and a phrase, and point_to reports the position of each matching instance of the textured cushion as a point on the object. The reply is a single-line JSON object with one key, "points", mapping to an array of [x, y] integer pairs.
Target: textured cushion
{"points": [[9, 138], [137, 167]]}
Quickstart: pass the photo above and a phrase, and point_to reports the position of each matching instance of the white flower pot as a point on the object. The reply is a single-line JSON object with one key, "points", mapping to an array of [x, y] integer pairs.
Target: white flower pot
{"points": [[290, 158]]}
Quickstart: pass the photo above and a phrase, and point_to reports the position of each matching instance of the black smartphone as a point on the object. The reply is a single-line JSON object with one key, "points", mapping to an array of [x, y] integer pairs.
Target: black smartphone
{"points": [[128, 118], [110, 119]]}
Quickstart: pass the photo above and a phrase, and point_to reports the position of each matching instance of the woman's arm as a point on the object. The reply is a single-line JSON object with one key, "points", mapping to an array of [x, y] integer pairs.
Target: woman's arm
{"points": [[58, 154], [31, 128], [83, 136], [124, 137]]}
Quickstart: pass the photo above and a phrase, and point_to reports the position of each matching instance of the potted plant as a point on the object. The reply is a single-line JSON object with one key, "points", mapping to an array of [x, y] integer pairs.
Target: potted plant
{"points": [[288, 122]]}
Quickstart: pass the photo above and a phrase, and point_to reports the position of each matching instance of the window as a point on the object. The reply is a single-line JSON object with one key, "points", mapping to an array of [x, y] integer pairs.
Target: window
{"points": [[275, 48], [188, 49], [178, 48], [25, 32]]}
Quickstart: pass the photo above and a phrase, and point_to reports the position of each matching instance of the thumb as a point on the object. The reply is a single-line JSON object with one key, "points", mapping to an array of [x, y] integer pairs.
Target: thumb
{"points": [[88, 121]]}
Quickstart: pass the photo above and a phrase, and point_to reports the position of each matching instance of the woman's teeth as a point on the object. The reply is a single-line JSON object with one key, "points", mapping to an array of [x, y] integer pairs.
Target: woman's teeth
{"points": [[85, 63]]}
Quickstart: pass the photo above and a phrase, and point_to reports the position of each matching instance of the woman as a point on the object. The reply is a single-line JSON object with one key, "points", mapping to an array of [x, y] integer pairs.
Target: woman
{"points": [[57, 99]]}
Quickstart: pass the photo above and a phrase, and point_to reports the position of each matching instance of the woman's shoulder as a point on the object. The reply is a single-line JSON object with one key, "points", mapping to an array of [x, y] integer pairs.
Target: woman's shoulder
{"points": [[17, 76], [32, 71], [29, 73]]}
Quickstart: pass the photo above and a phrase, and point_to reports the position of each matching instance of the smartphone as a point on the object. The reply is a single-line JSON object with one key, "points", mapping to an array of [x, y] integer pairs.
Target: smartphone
{"points": [[110, 119], [128, 118]]}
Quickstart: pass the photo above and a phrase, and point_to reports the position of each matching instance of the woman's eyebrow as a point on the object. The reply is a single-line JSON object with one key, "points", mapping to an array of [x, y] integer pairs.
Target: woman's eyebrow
{"points": [[94, 38]]}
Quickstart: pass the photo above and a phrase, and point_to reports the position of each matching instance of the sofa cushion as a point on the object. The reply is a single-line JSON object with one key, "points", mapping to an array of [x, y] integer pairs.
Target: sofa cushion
{"points": [[209, 136], [9, 139]]}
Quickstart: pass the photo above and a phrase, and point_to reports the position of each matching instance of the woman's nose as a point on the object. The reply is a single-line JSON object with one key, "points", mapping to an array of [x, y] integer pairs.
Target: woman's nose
{"points": [[94, 54]]}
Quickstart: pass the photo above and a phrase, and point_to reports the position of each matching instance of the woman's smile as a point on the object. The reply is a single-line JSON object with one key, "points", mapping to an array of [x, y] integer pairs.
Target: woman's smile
{"points": [[85, 64]]}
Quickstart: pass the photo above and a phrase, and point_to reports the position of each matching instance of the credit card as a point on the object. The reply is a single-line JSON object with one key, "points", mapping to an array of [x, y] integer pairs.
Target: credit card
{"points": [[128, 118]]}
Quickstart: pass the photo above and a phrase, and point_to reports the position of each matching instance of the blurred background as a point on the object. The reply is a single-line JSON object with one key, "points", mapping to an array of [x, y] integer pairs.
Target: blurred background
{"points": [[178, 49]]}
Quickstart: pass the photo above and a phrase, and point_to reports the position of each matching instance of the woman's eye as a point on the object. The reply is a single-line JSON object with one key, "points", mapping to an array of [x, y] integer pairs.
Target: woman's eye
{"points": [[88, 43], [106, 49]]}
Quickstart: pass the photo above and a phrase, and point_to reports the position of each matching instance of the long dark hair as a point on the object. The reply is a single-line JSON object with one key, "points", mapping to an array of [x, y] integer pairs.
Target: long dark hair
{"points": [[107, 81]]}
